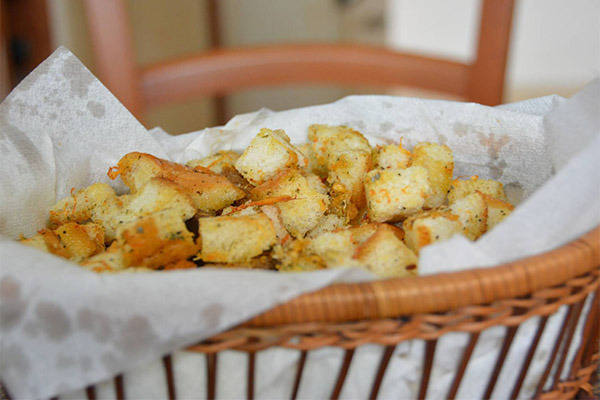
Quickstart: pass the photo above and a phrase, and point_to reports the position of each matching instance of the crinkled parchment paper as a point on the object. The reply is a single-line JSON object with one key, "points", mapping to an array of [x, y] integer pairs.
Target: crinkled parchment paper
{"points": [[63, 328]]}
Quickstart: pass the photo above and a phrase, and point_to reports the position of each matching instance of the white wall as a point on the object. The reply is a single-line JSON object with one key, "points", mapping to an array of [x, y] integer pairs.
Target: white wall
{"points": [[555, 46]]}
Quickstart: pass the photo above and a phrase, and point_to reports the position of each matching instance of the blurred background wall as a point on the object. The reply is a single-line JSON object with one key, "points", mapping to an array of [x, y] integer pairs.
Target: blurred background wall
{"points": [[555, 47]]}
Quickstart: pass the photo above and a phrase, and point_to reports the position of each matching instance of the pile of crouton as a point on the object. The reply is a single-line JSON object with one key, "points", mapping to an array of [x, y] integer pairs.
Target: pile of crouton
{"points": [[332, 202]]}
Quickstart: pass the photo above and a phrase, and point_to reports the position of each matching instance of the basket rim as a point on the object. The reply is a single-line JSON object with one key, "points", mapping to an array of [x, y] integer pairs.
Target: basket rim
{"points": [[397, 297]]}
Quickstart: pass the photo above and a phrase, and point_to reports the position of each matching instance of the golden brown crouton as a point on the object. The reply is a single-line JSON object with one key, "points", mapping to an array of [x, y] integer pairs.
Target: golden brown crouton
{"points": [[497, 210], [48, 241], [472, 212], [156, 240], [268, 153], [439, 162], [349, 169], [110, 260], [392, 156], [303, 212], [463, 188], [81, 241], [429, 227], [216, 162], [387, 256], [327, 140], [394, 194], [208, 191], [327, 223], [80, 206], [235, 239], [156, 195]]}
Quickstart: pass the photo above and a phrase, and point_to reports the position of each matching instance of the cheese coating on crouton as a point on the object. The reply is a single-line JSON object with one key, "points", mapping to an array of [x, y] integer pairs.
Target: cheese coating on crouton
{"points": [[235, 239], [269, 152], [394, 194], [429, 227], [439, 162]]}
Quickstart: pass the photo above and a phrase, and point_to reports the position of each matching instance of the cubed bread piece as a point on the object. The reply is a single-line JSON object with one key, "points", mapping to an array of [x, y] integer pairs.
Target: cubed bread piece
{"points": [[235, 239], [439, 162], [273, 213], [429, 227], [137, 168], [307, 207], [307, 150], [394, 194], [341, 204], [349, 168], [208, 191], [216, 162], [110, 260], [156, 195], [80, 206], [268, 153], [463, 188], [156, 240], [472, 212], [48, 241], [328, 140], [327, 223], [497, 210], [392, 156], [387, 256], [293, 256], [81, 241]]}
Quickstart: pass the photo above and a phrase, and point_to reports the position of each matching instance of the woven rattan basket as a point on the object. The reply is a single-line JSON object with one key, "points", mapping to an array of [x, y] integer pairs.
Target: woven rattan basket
{"points": [[393, 311]]}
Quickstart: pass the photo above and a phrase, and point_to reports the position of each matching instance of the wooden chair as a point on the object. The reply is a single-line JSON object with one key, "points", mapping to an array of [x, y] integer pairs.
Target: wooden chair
{"points": [[223, 71]]}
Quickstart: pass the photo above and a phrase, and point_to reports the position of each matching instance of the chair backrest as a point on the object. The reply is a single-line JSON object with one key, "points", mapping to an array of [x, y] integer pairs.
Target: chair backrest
{"points": [[224, 71]]}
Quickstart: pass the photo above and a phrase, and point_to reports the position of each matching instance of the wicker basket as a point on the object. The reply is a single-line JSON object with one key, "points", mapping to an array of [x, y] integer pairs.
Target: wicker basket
{"points": [[392, 311]]}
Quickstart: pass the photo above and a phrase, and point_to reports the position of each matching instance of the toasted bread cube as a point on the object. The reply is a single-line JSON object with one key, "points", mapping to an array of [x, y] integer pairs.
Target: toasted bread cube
{"points": [[392, 156], [80, 206], [497, 210], [327, 140], [349, 169], [463, 188], [81, 241], [274, 215], [394, 194], [307, 207], [208, 191], [110, 260], [216, 162], [430, 227], [439, 162], [48, 241], [156, 195], [235, 239], [268, 153], [137, 168], [293, 256], [307, 150], [472, 212], [156, 240], [387, 256], [327, 223]]}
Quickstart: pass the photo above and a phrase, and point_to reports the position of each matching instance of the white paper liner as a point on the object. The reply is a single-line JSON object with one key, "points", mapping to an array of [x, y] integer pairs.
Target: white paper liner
{"points": [[64, 328]]}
